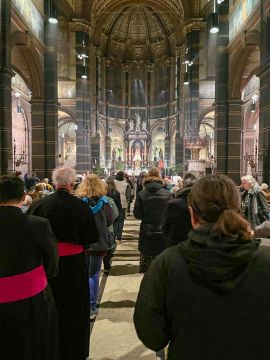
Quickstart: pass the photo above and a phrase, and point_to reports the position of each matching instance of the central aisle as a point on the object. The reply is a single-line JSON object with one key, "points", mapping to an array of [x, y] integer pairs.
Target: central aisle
{"points": [[113, 335]]}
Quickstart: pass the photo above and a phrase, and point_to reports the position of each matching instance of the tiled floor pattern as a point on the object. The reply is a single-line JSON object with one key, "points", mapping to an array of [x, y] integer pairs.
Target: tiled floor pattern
{"points": [[113, 335]]}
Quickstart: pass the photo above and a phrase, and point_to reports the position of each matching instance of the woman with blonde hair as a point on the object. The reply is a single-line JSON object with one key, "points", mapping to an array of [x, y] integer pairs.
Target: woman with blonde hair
{"points": [[208, 297], [92, 190]]}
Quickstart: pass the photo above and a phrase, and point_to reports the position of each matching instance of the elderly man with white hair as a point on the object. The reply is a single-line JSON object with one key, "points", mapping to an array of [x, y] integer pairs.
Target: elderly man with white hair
{"points": [[75, 228], [254, 205]]}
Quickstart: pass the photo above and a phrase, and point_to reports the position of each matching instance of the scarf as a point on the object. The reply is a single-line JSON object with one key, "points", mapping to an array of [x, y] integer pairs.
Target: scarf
{"points": [[216, 261]]}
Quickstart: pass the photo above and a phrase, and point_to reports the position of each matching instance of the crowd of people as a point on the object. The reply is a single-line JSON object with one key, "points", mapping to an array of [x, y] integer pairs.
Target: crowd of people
{"points": [[204, 291]]}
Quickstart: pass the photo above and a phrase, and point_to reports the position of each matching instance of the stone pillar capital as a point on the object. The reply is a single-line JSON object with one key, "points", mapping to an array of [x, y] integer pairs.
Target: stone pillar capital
{"points": [[194, 24]]}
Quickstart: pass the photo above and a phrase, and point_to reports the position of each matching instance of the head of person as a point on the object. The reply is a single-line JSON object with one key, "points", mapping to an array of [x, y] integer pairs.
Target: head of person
{"points": [[111, 185], [64, 178], [153, 176], [215, 200], [264, 187], [91, 186], [40, 187], [248, 182], [120, 176], [189, 179], [46, 180], [11, 190]]}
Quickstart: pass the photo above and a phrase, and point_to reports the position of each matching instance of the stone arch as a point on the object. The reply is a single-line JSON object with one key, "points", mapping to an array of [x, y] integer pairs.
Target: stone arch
{"points": [[26, 60], [249, 46], [68, 111], [206, 112]]}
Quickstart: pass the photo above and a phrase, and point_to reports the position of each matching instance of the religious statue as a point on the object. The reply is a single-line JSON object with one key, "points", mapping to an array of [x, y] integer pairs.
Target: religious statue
{"points": [[160, 154], [138, 121], [137, 155], [144, 125], [113, 154], [131, 125]]}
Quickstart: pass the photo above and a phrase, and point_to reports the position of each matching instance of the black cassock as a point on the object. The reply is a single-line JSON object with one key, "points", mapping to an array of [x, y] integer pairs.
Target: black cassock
{"points": [[28, 327], [72, 222]]}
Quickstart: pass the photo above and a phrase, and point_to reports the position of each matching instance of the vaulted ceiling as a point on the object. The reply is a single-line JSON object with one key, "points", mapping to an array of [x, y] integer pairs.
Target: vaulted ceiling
{"points": [[139, 30]]}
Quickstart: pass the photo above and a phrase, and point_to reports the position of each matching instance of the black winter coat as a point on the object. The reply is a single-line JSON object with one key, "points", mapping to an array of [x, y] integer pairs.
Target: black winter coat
{"points": [[199, 323], [149, 207], [176, 223]]}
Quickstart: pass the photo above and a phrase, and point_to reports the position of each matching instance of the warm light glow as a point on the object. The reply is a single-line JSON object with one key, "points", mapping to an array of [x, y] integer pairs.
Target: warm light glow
{"points": [[53, 20], [214, 30]]}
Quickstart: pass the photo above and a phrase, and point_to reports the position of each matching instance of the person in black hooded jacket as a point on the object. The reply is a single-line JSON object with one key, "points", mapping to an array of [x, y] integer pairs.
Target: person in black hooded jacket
{"points": [[208, 297], [149, 207], [176, 222]]}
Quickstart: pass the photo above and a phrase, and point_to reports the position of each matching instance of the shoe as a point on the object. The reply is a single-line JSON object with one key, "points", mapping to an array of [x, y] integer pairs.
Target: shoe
{"points": [[93, 314]]}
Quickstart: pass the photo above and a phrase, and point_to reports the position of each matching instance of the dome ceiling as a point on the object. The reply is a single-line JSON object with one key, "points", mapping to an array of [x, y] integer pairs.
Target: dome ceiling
{"points": [[137, 34], [138, 30]]}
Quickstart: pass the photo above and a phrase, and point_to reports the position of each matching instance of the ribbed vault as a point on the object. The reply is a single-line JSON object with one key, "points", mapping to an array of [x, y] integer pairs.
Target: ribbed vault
{"points": [[138, 30]]}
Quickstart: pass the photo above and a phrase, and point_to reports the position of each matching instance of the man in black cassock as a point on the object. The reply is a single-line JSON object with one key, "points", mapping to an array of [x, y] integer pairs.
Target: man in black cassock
{"points": [[74, 227], [28, 255]]}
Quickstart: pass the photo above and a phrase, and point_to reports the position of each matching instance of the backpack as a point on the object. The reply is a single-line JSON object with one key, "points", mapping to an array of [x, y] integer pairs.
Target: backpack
{"points": [[103, 216]]}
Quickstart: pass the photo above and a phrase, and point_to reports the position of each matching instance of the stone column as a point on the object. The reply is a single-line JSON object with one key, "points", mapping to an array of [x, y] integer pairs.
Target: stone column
{"points": [[221, 91], [167, 128], [108, 140], [95, 140], [127, 75], [264, 74], [83, 157], [193, 44], [38, 137], [50, 102], [179, 143], [5, 88], [191, 91], [148, 92], [234, 138]]}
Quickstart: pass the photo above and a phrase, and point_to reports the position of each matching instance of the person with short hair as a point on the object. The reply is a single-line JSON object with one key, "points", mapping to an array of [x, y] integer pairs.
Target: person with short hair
{"points": [[208, 297], [254, 205], [265, 191], [75, 229], [28, 316]]}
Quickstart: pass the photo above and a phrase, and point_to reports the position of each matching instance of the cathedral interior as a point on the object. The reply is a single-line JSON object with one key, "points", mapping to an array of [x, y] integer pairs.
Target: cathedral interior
{"points": [[104, 85]]}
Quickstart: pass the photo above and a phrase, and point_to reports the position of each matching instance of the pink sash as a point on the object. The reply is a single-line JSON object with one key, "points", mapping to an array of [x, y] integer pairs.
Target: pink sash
{"points": [[67, 249], [22, 286]]}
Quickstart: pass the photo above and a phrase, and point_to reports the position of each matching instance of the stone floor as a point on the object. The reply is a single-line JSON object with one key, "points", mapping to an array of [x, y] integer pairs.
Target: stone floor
{"points": [[113, 336]]}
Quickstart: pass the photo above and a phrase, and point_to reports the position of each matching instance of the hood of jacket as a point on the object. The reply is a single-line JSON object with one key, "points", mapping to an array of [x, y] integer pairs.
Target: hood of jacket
{"points": [[183, 193], [153, 186], [216, 261]]}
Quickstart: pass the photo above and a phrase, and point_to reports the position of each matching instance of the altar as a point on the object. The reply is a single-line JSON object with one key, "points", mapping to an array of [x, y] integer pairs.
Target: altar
{"points": [[137, 145]]}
